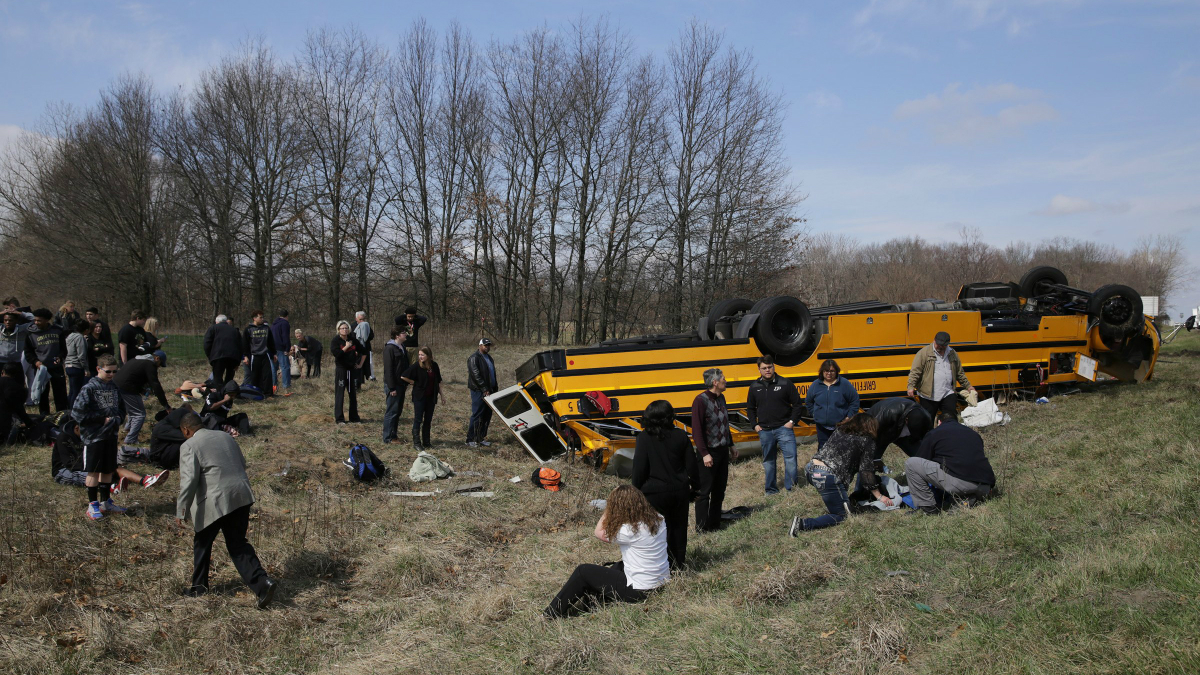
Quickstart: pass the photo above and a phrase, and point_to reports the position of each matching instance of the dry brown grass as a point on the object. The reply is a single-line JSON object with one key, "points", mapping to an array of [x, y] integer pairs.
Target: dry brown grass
{"points": [[1086, 565]]}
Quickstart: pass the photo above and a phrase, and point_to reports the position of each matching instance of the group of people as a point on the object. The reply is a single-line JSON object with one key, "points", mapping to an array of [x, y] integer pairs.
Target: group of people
{"points": [[409, 369], [946, 465]]}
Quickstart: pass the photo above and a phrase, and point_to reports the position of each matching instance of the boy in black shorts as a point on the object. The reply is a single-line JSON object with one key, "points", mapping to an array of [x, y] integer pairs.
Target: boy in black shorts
{"points": [[99, 411]]}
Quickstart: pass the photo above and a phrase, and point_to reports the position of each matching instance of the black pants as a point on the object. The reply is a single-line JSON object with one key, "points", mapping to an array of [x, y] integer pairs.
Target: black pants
{"points": [[57, 386], [713, 481], [223, 370], [343, 384], [164, 455], [948, 405], [233, 525], [592, 585], [673, 506], [422, 419], [261, 374], [314, 366]]}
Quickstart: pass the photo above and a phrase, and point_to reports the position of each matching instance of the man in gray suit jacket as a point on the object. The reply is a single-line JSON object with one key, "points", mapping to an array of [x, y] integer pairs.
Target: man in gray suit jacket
{"points": [[214, 492]]}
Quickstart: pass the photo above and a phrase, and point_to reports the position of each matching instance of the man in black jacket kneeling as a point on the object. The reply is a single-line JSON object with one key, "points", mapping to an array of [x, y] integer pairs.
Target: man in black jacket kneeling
{"points": [[951, 458]]}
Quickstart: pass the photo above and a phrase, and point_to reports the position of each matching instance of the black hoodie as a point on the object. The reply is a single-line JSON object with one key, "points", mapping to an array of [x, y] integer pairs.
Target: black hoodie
{"points": [[257, 341], [48, 346]]}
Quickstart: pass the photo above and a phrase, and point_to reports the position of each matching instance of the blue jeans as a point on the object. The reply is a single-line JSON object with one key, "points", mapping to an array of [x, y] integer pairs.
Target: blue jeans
{"points": [[481, 417], [773, 440], [832, 492], [823, 434], [393, 406], [285, 370]]}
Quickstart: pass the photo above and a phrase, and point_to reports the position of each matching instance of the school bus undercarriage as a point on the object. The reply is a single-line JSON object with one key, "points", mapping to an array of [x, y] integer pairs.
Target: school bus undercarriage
{"points": [[1026, 335]]}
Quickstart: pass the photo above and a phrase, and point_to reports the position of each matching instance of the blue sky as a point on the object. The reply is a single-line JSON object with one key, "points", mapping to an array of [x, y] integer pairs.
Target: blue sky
{"points": [[1027, 119]]}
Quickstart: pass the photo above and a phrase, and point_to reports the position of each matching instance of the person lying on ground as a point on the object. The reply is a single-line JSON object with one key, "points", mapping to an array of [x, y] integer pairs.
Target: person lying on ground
{"points": [[848, 450], [950, 458], [632, 523], [66, 463]]}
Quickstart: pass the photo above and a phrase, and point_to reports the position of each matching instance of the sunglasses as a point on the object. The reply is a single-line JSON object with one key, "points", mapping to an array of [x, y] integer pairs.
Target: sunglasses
{"points": [[110, 371]]}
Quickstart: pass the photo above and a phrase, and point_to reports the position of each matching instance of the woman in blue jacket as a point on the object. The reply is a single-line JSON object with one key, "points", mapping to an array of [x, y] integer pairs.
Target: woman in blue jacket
{"points": [[831, 400]]}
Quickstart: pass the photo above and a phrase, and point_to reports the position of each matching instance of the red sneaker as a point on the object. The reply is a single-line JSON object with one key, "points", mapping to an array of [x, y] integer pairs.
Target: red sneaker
{"points": [[119, 486], [151, 481]]}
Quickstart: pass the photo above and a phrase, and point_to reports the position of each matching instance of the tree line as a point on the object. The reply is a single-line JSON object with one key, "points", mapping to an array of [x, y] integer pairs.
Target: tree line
{"points": [[558, 186]]}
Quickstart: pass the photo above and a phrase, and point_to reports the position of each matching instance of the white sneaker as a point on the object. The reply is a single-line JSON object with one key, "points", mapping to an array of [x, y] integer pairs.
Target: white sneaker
{"points": [[486, 444], [795, 529], [472, 444]]}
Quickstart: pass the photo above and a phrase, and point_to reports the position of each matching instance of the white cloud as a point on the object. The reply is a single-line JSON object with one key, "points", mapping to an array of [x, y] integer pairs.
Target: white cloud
{"points": [[978, 114], [823, 100], [868, 42], [1062, 205]]}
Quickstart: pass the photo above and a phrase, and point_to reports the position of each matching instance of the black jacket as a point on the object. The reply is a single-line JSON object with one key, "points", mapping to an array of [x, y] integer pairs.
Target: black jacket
{"points": [[222, 341], [959, 450], [893, 414], [479, 378], [343, 359], [773, 403], [48, 346], [136, 374], [411, 340], [421, 377], [395, 362], [666, 465], [257, 341], [12, 400]]}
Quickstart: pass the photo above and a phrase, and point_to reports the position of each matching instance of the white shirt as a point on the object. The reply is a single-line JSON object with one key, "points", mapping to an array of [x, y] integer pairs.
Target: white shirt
{"points": [[644, 555], [943, 379]]}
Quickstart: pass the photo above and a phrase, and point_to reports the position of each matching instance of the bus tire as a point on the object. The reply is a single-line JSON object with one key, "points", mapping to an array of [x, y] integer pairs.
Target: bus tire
{"points": [[1039, 275], [1117, 309], [784, 326], [723, 308]]}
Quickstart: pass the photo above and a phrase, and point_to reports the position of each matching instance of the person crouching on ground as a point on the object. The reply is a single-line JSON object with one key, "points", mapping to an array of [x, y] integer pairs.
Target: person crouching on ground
{"points": [[214, 491], [851, 448], [99, 410], [664, 469], [632, 523], [951, 458]]}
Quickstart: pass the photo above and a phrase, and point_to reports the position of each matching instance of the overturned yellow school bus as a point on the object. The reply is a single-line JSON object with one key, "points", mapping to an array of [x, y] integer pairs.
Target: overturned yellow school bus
{"points": [[1024, 335]]}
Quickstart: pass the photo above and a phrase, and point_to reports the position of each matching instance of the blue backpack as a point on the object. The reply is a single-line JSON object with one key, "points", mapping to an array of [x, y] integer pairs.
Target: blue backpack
{"points": [[250, 392], [363, 463]]}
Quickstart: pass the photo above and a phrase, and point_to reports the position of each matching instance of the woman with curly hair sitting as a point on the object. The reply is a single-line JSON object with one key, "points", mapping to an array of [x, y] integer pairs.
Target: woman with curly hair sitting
{"points": [[632, 523]]}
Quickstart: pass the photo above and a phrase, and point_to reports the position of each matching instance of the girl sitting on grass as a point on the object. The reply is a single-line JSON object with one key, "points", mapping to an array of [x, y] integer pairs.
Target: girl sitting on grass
{"points": [[633, 524], [851, 446]]}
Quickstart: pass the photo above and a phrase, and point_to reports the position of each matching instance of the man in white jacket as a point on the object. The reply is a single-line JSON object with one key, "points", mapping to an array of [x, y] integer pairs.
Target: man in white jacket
{"points": [[214, 492]]}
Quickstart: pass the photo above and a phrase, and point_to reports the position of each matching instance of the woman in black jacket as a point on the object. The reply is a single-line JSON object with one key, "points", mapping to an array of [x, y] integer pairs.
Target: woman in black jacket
{"points": [[664, 469], [348, 356], [848, 451], [425, 378]]}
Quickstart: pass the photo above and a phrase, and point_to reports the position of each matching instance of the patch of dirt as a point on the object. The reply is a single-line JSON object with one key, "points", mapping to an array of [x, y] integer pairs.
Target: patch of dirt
{"points": [[1142, 597], [313, 419]]}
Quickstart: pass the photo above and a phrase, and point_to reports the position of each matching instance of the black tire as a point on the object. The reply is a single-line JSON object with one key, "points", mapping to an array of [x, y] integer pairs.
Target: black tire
{"points": [[1039, 275], [1117, 309], [784, 326], [723, 308]]}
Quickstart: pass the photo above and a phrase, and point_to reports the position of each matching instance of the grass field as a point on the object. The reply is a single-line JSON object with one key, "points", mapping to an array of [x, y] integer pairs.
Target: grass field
{"points": [[1087, 563]]}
